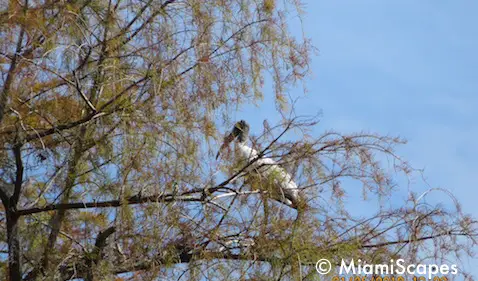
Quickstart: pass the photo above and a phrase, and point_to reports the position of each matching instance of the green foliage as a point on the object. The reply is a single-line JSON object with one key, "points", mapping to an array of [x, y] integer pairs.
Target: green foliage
{"points": [[112, 120]]}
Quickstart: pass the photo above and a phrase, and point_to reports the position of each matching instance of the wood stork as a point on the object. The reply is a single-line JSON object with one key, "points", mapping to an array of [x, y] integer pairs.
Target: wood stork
{"points": [[283, 188]]}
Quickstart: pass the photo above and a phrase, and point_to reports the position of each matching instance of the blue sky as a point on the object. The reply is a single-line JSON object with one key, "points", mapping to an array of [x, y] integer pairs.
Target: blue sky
{"points": [[404, 68]]}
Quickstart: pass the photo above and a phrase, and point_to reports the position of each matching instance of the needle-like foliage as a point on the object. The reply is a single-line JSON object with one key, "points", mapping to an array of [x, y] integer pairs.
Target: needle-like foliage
{"points": [[109, 117]]}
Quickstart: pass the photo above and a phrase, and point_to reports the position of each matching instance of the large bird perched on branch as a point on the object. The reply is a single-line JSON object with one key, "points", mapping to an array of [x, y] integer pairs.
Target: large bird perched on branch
{"points": [[281, 185]]}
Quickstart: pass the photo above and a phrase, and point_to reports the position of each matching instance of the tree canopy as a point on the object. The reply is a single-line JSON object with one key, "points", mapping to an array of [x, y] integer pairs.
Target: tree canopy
{"points": [[111, 114]]}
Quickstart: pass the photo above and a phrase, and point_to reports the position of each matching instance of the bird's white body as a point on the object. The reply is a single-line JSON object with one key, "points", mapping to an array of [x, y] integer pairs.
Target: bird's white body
{"points": [[285, 189]]}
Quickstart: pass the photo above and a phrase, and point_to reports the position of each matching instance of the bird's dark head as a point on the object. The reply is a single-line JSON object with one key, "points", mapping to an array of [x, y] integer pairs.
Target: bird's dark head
{"points": [[240, 131]]}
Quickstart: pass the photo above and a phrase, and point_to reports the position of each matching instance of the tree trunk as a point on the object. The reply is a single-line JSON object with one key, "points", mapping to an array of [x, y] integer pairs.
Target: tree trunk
{"points": [[13, 246]]}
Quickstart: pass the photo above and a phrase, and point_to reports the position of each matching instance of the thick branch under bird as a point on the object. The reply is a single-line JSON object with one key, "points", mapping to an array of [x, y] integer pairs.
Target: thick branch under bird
{"points": [[280, 184]]}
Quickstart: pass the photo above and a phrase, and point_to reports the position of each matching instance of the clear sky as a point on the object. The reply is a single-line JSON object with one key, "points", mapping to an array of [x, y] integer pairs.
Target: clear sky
{"points": [[404, 68]]}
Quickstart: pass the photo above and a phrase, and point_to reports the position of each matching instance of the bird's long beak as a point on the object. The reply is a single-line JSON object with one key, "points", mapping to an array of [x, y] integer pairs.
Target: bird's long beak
{"points": [[227, 140]]}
